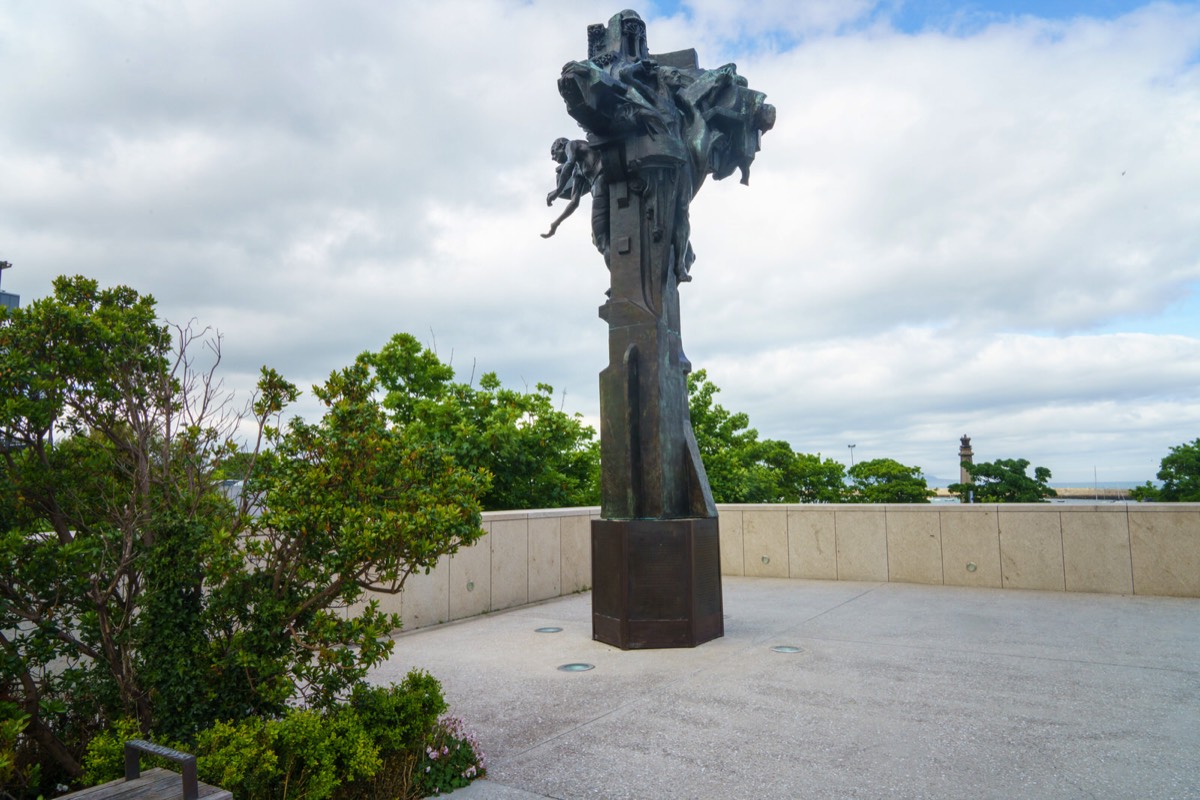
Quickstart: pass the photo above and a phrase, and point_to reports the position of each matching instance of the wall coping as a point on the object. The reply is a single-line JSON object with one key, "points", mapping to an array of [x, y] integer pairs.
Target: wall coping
{"points": [[1108, 507], [1124, 548]]}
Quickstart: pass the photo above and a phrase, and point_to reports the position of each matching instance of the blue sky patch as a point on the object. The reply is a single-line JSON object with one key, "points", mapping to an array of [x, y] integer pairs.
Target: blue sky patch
{"points": [[915, 16]]}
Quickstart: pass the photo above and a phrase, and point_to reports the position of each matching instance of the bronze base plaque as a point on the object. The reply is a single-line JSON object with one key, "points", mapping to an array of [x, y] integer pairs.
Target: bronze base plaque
{"points": [[656, 583]]}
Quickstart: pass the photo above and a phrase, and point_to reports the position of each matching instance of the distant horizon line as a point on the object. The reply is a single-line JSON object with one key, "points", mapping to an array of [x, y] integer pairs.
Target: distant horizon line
{"points": [[934, 481]]}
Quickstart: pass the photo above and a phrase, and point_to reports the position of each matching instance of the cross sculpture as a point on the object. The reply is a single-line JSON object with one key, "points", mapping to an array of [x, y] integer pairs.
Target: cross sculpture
{"points": [[657, 126]]}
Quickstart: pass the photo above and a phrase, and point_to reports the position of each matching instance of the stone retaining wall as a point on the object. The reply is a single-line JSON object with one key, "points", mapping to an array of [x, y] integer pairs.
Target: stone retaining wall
{"points": [[1150, 549]]}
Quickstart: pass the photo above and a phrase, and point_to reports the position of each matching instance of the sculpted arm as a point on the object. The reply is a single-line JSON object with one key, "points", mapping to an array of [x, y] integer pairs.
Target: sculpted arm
{"points": [[564, 152]]}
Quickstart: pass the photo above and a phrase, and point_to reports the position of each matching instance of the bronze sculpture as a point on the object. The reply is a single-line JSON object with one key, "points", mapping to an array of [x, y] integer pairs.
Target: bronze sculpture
{"points": [[578, 172], [657, 127]]}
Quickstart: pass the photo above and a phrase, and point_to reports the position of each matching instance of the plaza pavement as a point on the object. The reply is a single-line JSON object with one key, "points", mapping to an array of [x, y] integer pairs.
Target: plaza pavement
{"points": [[897, 691]]}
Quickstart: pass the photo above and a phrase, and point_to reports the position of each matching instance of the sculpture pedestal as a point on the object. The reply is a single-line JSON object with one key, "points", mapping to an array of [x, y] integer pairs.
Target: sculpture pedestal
{"points": [[656, 583]]}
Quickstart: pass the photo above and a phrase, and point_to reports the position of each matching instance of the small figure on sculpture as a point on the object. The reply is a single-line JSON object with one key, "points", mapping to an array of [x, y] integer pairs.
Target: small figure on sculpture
{"points": [[577, 172]]}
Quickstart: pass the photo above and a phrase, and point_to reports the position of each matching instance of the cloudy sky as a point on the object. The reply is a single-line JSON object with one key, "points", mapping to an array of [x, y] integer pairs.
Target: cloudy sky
{"points": [[971, 218]]}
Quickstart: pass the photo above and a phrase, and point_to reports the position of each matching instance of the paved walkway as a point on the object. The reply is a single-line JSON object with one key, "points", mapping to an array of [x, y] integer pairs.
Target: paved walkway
{"points": [[897, 691]]}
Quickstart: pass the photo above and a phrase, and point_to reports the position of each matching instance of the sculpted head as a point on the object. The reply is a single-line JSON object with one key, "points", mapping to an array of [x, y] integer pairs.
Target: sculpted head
{"points": [[558, 150]]}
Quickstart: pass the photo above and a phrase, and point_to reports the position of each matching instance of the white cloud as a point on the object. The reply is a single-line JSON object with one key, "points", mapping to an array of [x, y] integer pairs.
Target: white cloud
{"points": [[776, 21], [934, 232]]}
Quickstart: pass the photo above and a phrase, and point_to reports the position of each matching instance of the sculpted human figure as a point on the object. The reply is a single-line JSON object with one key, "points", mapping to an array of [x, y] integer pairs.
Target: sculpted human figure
{"points": [[578, 172]]}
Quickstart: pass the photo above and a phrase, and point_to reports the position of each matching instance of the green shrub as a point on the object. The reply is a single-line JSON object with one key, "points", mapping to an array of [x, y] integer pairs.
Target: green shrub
{"points": [[400, 716], [105, 757], [387, 743], [304, 755], [15, 775], [318, 752], [133, 588], [400, 719], [238, 756]]}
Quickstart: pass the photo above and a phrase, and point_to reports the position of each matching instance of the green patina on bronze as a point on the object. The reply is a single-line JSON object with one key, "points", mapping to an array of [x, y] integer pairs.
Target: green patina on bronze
{"points": [[657, 127]]}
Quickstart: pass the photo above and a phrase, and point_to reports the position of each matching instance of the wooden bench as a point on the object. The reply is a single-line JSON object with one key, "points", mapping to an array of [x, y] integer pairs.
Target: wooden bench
{"points": [[153, 784]]}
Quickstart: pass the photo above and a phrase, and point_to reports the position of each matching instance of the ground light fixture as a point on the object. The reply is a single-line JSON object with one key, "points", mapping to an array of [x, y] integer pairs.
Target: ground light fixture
{"points": [[785, 648], [548, 629], [578, 666]]}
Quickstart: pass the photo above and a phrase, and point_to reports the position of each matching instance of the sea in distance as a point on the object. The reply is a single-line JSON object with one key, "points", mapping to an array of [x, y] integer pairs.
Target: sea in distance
{"points": [[1065, 501]]}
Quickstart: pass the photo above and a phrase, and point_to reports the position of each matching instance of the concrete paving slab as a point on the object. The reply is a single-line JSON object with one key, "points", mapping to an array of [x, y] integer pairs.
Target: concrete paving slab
{"points": [[896, 690]]}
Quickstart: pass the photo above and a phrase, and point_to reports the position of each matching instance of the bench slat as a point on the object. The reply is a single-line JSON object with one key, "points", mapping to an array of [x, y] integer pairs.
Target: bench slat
{"points": [[154, 784]]}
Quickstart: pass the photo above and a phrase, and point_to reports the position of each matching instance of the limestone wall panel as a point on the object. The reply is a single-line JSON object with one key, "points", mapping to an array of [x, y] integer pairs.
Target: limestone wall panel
{"points": [[545, 558], [861, 544], [971, 547], [470, 580], [1096, 554], [425, 600], [576, 544], [1031, 549], [765, 542], [914, 546], [510, 562], [812, 544], [730, 532], [1165, 552]]}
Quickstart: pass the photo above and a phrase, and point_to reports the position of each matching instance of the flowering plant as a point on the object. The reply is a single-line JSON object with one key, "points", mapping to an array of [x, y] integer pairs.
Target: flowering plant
{"points": [[452, 759]]}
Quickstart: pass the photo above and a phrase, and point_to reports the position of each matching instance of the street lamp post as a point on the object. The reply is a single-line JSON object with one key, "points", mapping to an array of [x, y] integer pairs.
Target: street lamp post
{"points": [[852, 446]]}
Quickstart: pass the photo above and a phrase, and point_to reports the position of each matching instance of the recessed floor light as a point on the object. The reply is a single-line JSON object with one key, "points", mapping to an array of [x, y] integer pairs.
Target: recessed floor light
{"points": [[785, 648], [547, 629], [576, 667]]}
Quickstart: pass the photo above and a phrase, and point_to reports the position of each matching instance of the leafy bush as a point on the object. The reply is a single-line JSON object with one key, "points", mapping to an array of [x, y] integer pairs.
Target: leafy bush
{"points": [[742, 468], [536, 455], [1004, 481], [318, 752], [400, 717], [1179, 475], [132, 588], [15, 774], [347, 752], [238, 756], [104, 760], [885, 480], [387, 743]]}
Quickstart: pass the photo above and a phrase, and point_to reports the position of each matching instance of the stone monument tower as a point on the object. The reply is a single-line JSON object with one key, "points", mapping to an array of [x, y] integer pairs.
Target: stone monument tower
{"points": [[965, 455]]}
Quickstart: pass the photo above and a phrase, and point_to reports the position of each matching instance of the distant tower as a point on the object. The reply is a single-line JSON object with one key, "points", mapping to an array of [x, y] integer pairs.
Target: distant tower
{"points": [[965, 454]]}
